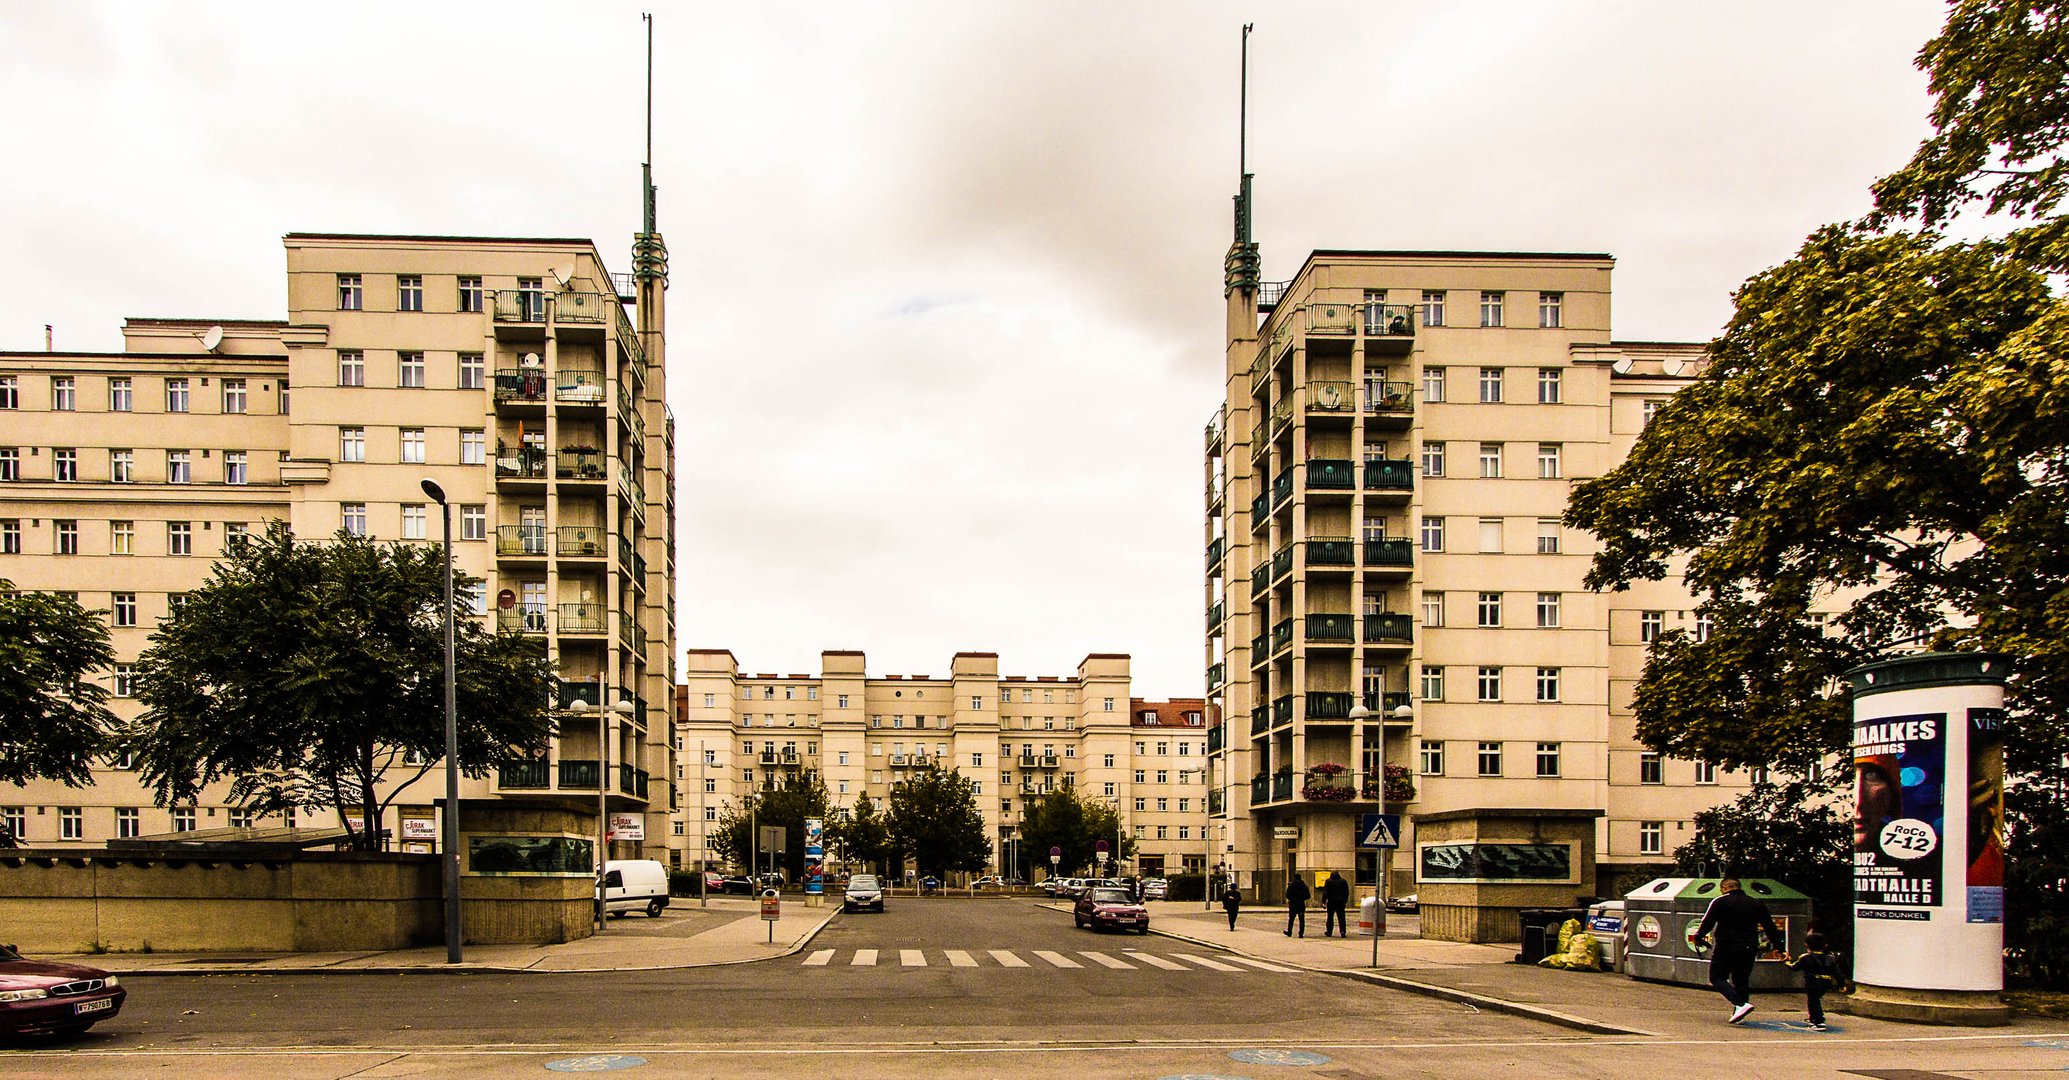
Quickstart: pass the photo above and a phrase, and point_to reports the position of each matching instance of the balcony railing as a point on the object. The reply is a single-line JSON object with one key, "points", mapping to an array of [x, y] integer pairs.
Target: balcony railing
{"points": [[1258, 651], [578, 774], [1282, 486], [1324, 317], [521, 384], [1282, 415], [1331, 474], [626, 285], [581, 307], [1328, 705], [1215, 614], [1388, 701], [578, 463], [1386, 474], [1330, 397], [582, 541], [574, 694], [1390, 320], [1269, 293], [522, 540], [1214, 432], [1214, 738], [1214, 802], [1389, 398], [1331, 551], [530, 773], [1331, 627], [1260, 511], [1260, 790], [522, 620], [632, 781], [524, 464], [1214, 676], [1260, 580], [1282, 634], [1282, 786], [1282, 562], [1389, 629], [625, 554], [1390, 551], [520, 305], [1282, 710], [1260, 720], [583, 619], [1214, 552], [578, 386]]}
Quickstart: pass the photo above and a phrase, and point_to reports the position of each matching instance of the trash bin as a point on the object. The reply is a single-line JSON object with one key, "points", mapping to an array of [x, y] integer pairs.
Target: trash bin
{"points": [[1367, 909], [1606, 922], [1662, 916], [1540, 931]]}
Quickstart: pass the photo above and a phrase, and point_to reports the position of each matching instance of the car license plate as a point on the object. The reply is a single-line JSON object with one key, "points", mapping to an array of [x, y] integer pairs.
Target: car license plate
{"points": [[102, 1005]]}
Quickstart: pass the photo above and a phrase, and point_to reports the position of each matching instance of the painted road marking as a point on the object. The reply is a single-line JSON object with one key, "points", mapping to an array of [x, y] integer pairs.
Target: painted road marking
{"points": [[1211, 965], [820, 958], [1262, 966], [1057, 959], [959, 958], [1007, 959], [912, 958], [1108, 961], [1156, 961], [863, 958]]}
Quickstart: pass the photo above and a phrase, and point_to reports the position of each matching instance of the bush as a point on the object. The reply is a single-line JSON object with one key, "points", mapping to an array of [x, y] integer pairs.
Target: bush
{"points": [[685, 883], [2036, 901], [1186, 887]]}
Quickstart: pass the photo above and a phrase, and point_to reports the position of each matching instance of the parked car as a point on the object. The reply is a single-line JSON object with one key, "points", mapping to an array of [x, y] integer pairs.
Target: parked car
{"points": [[1052, 886], [1407, 905], [1155, 888], [635, 885], [772, 880], [864, 891], [714, 881], [1103, 908], [989, 881], [738, 883], [39, 998]]}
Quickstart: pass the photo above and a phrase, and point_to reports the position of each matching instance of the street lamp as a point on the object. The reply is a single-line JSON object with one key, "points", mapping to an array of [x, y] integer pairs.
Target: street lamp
{"points": [[452, 739], [1206, 836], [603, 771]]}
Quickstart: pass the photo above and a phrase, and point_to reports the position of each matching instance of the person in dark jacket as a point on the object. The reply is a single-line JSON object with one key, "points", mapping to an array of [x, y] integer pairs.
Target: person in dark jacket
{"points": [[1821, 975], [1336, 897], [1737, 920], [1232, 902], [1297, 894]]}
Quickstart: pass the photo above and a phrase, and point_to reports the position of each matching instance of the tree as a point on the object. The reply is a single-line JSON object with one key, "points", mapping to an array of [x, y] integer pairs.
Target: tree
{"points": [[935, 821], [1789, 831], [54, 719], [787, 804], [1061, 819], [861, 834], [311, 674]]}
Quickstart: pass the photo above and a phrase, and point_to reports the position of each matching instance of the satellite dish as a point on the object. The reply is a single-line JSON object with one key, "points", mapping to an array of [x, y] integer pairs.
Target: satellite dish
{"points": [[564, 274], [1622, 367], [1675, 367], [1329, 396], [212, 338], [530, 359]]}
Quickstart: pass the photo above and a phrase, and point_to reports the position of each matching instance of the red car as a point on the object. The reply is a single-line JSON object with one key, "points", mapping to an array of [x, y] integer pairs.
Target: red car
{"points": [[1110, 909], [39, 998]]}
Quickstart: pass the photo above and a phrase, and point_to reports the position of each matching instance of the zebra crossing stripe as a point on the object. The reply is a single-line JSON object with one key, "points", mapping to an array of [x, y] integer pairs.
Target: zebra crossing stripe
{"points": [[820, 958], [1156, 961], [912, 958], [1108, 961], [1007, 959], [1057, 959], [1262, 966], [1211, 965], [959, 958], [863, 958]]}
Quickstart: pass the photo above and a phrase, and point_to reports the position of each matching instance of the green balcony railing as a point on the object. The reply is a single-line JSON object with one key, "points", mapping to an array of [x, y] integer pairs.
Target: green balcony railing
{"points": [[1282, 786], [1389, 320], [520, 305], [579, 463], [1282, 415], [524, 620], [628, 341], [1258, 652], [1282, 634], [1324, 317], [523, 464], [1214, 738], [580, 307], [1331, 551], [1215, 614], [1328, 705], [1214, 675], [574, 693], [1282, 710], [1260, 721], [582, 542], [1386, 474], [583, 619], [578, 386], [521, 384], [1330, 397], [578, 774], [1331, 627], [1390, 397], [531, 773], [1282, 486], [1260, 512], [1214, 549], [522, 540], [1282, 562], [1388, 701], [1391, 551], [632, 781], [625, 554], [1260, 790], [1331, 474], [1214, 803], [1389, 629], [1260, 580]]}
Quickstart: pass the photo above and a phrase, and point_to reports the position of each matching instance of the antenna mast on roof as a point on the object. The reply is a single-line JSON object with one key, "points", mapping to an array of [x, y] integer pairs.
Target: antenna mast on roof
{"points": [[1240, 269], [646, 166], [649, 253]]}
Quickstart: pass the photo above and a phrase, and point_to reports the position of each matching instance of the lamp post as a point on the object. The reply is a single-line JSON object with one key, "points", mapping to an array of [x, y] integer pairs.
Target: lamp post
{"points": [[1206, 836], [452, 739], [603, 775]]}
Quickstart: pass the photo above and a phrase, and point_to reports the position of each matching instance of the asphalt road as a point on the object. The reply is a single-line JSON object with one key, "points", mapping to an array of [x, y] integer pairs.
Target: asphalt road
{"points": [[949, 988]]}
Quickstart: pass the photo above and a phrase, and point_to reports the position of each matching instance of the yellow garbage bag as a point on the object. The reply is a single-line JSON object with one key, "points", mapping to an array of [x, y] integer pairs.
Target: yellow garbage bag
{"points": [[1578, 950]]}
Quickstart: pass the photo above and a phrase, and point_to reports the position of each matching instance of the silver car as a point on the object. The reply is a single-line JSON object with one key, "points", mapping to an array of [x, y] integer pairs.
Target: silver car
{"points": [[864, 891]]}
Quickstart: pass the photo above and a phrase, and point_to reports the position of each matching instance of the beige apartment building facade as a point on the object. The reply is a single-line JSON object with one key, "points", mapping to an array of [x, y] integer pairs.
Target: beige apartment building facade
{"points": [[1016, 738], [509, 371], [1393, 607]]}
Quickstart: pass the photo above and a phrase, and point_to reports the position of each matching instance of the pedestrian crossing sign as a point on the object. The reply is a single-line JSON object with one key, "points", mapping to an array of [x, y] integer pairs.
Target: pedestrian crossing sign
{"points": [[1379, 830]]}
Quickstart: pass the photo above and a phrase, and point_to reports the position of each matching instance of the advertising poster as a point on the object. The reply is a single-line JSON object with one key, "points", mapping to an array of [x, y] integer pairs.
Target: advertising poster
{"points": [[1900, 780], [1986, 815], [815, 855]]}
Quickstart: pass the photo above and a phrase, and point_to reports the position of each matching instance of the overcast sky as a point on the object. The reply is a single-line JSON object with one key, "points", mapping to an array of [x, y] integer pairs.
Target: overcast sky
{"points": [[945, 305]]}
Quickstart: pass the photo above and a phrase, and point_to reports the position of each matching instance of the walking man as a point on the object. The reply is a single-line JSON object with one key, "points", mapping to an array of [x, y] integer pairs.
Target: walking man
{"points": [[1297, 894], [1232, 902], [1336, 896], [1738, 921]]}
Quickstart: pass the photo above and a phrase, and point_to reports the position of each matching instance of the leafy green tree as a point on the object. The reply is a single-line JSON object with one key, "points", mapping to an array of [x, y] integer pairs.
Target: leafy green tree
{"points": [[787, 804], [313, 675], [54, 719], [861, 834], [1062, 819], [1791, 831], [935, 821]]}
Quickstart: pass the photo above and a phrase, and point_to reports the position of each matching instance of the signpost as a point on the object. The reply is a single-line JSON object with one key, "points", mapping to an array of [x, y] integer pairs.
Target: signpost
{"points": [[1055, 860], [1099, 854], [1383, 833]]}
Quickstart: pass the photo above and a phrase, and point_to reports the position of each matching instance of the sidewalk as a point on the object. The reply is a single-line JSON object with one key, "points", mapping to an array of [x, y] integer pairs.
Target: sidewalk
{"points": [[729, 931]]}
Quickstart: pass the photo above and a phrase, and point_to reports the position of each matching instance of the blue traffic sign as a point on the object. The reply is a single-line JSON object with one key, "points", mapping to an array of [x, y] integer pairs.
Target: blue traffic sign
{"points": [[1379, 830]]}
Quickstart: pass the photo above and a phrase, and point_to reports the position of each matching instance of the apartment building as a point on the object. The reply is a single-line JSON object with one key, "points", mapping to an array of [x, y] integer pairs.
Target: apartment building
{"points": [[1396, 619], [1017, 738], [507, 370]]}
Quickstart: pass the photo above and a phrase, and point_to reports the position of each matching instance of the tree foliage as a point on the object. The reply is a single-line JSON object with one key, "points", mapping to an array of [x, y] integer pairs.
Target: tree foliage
{"points": [[312, 675], [861, 834], [54, 719], [1063, 820], [787, 804], [935, 821], [1792, 832]]}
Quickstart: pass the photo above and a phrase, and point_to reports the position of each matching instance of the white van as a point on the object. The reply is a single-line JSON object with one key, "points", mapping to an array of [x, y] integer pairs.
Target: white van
{"points": [[635, 885]]}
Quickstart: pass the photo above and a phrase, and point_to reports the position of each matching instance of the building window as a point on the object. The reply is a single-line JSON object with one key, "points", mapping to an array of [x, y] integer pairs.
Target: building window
{"points": [[64, 465], [1490, 461], [122, 608], [1652, 837], [1550, 307], [125, 680], [64, 393], [1433, 307], [351, 367], [10, 536], [183, 819], [65, 537], [1489, 684], [1548, 759], [1433, 384], [1549, 388], [413, 521], [1433, 534], [412, 446], [179, 538], [1433, 459], [10, 463], [1432, 757], [474, 523], [1490, 308], [236, 468], [1548, 684], [71, 823], [16, 819], [409, 292], [1548, 611], [1548, 536], [1490, 759], [1652, 409], [354, 518], [350, 296], [531, 296], [1489, 610], [1651, 769], [1490, 536], [1490, 385], [179, 467], [1432, 683], [470, 294], [126, 823], [234, 397], [409, 370], [1705, 772], [1548, 455], [175, 395], [470, 371], [1650, 623], [1703, 625], [1432, 609], [473, 447], [120, 396], [283, 396], [351, 444], [10, 398], [122, 537]]}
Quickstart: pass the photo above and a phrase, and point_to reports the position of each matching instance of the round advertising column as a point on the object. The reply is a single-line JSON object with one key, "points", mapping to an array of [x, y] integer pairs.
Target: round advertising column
{"points": [[1928, 838]]}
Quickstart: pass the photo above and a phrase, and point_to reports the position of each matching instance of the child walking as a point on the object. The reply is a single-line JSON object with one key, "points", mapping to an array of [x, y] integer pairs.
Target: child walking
{"points": [[1820, 975]]}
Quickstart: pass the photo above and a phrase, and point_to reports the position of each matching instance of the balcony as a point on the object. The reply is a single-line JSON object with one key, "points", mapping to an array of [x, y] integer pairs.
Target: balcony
{"points": [[1214, 739], [1331, 551], [1282, 562], [1328, 705], [1260, 580], [1387, 474], [581, 542], [1214, 676], [627, 288], [577, 386], [580, 307], [1282, 486], [1389, 629], [625, 555], [522, 540], [521, 385], [1331, 474], [1260, 721], [579, 694], [579, 463], [578, 774], [1282, 786], [632, 781], [1214, 553], [900, 761], [1330, 398], [531, 773], [1282, 634], [520, 306], [1390, 552], [584, 619], [1215, 615], [1389, 328], [1324, 317], [1214, 806], [1340, 629], [1260, 790], [525, 463], [521, 620], [1214, 433], [1282, 710], [1269, 293], [1390, 400], [1258, 653], [1282, 415], [1260, 512]]}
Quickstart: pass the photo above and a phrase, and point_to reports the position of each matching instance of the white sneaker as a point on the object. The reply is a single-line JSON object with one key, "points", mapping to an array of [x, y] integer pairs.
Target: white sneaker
{"points": [[1739, 1014]]}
